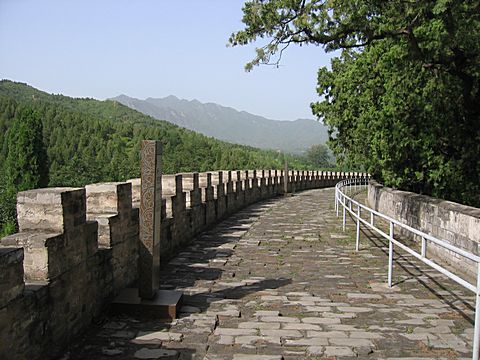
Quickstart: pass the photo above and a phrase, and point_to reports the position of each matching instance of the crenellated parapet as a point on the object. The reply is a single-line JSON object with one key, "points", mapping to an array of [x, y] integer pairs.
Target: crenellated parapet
{"points": [[78, 247], [111, 206]]}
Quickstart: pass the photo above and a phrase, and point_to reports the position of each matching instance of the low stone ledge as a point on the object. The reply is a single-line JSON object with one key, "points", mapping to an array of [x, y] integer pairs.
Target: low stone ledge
{"points": [[455, 223]]}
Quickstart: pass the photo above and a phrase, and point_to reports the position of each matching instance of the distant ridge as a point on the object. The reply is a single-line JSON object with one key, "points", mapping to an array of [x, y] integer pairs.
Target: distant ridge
{"points": [[228, 124], [90, 141]]}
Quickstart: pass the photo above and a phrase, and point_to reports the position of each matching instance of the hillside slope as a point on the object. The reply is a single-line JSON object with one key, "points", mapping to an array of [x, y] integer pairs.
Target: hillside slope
{"points": [[228, 124], [90, 141]]}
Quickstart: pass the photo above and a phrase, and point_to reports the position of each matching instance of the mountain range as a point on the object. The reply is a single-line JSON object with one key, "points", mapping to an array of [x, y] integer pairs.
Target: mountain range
{"points": [[228, 124]]}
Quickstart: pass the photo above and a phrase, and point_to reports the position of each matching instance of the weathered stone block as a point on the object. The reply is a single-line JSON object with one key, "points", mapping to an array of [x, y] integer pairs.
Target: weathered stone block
{"points": [[198, 220], [205, 183], [11, 270], [190, 183], [52, 209], [136, 191], [219, 195], [172, 185], [24, 326], [109, 198]]}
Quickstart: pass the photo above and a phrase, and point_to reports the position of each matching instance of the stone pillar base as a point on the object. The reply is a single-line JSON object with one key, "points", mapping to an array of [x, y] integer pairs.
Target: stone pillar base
{"points": [[163, 306]]}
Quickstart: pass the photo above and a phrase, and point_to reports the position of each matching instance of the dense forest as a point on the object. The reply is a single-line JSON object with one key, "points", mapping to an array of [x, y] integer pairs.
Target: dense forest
{"points": [[87, 141], [402, 95]]}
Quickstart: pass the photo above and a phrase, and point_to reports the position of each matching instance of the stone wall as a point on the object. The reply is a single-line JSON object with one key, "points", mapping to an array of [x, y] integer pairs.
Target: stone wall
{"points": [[457, 224], [78, 247]]}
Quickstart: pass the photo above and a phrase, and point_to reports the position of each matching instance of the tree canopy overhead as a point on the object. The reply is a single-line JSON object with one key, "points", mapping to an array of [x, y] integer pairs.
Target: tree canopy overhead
{"points": [[402, 99]]}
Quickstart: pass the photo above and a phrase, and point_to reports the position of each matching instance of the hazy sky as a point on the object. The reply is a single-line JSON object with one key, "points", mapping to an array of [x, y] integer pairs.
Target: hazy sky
{"points": [[148, 48]]}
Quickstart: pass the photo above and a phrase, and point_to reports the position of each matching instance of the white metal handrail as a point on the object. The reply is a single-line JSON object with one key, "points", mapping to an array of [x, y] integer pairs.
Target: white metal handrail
{"points": [[355, 208]]}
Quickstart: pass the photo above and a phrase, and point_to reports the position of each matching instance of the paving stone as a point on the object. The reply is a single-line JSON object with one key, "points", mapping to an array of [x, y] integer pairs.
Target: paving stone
{"points": [[266, 313], [315, 350], [145, 337], [189, 309], [317, 308], [420, 336], [363, 296], [163, 354], [257, 339], [306, 342], [435, 330], [111, 352], [259, 325], [341, 327], [298, 293], [226, 340], [327, 334], [301, 327], [256, 357], [350, 342], [418, 358], [450, 341], [235, 332], [383, 287], [365, 335], [362, 351], [228, 313], [319, 320], [410, 322], [339, 315], [281, 333], [273, 298], [280, 319], [354, 309], [338, 351]]}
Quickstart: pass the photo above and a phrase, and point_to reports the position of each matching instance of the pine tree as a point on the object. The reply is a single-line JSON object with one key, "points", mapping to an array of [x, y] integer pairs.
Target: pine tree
{"points": [[26, 165]]}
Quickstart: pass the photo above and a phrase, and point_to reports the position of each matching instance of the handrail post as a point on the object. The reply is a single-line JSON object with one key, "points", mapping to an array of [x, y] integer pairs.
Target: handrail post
{"points": [[338, 205], [424, 247], [357, 245], [476, 332], [390, 256], [336, 200], [344, 215], [371, 218]]}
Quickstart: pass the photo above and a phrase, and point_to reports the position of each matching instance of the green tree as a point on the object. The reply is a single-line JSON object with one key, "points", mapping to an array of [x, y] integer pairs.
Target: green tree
{"points": [[25, 166], [319, 156], [402, 98]]}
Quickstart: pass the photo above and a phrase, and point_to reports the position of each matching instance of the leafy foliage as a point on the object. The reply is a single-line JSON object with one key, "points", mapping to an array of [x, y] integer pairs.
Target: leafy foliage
{"points": [[25, 164], [319, 155], [403, 98]]}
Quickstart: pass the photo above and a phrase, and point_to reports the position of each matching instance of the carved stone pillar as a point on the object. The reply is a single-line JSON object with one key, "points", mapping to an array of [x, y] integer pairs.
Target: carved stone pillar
{"points": [[150, 215]]}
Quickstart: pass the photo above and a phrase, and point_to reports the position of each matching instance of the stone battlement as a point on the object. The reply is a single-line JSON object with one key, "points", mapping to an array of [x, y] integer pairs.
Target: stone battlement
{"points": [[78, 247]]}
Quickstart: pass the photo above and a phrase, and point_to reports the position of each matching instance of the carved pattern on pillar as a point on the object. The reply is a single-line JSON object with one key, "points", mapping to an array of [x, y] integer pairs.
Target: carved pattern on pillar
{"points": [[150, 216]]}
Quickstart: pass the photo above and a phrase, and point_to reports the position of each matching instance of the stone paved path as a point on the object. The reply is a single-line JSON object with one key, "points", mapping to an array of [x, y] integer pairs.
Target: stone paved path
{"points": [[280, 280]]}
